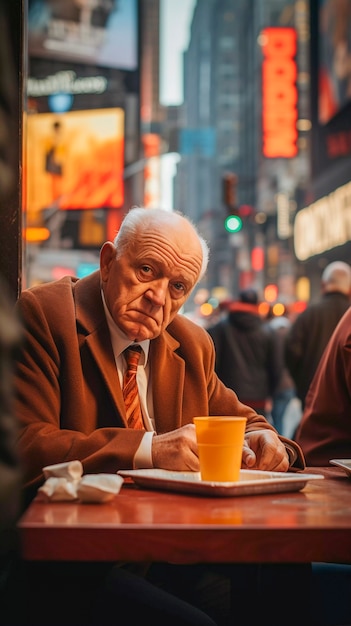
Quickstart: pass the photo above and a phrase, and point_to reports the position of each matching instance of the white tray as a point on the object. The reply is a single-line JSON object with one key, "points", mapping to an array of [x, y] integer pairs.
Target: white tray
{"points": [[251, 482], [344, 463]]}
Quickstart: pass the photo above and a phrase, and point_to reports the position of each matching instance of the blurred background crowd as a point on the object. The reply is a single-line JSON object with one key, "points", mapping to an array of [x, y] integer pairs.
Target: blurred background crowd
{"points": [[235, 112]]}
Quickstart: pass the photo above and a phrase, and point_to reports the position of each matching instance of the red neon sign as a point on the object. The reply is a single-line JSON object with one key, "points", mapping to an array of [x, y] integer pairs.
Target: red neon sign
{"points": [[279, 93]]}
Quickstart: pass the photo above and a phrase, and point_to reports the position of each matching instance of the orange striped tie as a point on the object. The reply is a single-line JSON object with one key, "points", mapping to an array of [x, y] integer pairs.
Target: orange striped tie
{"points": [[130, 388]]}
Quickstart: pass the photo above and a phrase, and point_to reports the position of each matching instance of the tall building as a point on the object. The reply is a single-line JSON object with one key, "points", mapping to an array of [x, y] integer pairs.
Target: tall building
{"points": [[322, 227], [152, 113], [224, 133]]}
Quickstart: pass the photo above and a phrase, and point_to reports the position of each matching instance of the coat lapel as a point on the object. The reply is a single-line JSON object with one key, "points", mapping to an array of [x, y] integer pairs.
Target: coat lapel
{"points": [[167, 376], [94, 335], [167, 368]]}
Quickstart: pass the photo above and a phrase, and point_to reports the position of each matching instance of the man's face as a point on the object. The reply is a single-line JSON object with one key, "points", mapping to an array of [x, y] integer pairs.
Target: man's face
{"points": [[147, 285]]}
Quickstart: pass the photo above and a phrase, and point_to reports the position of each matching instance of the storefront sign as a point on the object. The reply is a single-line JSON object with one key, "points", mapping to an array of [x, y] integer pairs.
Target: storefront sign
{"points": [[65, 82], [324, 224]]}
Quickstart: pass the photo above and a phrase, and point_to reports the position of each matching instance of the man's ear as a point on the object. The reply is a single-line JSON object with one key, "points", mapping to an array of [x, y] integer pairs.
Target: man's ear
{"points": [[107, 256]]}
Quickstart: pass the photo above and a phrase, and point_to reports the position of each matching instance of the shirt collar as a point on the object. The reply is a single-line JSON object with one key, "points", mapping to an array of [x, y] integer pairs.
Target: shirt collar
{"points": [[119, 339]]}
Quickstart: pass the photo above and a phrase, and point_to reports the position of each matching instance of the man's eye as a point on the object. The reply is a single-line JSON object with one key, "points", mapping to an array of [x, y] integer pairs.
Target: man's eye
{"points": [[179, 287], [146, 269]]}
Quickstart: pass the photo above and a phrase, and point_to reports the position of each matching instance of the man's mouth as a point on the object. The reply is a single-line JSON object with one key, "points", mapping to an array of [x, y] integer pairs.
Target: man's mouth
{"points": [[143, 316]]}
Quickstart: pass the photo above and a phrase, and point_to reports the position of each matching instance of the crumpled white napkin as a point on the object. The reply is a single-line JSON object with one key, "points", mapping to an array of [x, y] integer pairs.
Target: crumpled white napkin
{"points": [[72, 471], [58, 488], [65, 482], [98, 487]]}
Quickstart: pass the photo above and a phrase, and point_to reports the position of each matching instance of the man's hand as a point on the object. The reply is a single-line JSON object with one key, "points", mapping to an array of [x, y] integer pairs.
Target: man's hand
{"points": [[263, 450], [176, 450]]}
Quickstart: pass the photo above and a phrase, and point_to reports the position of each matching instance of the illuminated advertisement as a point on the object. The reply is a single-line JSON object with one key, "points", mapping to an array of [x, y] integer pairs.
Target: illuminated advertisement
{"points": [[279, 93], [330, 89], [334, 58], [152, 169], [324, 224], [75, 160], [102, 32]]}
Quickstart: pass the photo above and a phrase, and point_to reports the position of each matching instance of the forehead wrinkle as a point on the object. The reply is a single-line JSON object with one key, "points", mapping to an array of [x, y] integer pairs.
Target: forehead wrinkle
{"points": [[169, 252]]}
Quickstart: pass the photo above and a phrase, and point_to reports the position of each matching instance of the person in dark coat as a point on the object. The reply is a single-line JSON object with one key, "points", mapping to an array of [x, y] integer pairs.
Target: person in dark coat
{"points": [[247, 352], [312, 329]]}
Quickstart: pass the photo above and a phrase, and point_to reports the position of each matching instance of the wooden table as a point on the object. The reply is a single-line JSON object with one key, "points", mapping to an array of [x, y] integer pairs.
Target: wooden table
{"points": [[141, 524]]}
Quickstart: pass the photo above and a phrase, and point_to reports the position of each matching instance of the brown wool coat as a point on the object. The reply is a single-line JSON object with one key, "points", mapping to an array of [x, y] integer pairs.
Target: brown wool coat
{"points": [[68, 397]]}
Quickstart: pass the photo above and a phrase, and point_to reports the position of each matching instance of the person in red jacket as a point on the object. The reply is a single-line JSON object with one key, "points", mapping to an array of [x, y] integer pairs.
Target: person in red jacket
{"points": [[324, 432]]}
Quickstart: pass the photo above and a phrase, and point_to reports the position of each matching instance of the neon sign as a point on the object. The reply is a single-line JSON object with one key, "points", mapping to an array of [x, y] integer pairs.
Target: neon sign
{"points": [[279, 93]]}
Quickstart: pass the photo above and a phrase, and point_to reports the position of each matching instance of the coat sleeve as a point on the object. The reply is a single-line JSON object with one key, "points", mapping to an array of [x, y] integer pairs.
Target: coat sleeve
{"points": [[199, 349], [62, 401]]}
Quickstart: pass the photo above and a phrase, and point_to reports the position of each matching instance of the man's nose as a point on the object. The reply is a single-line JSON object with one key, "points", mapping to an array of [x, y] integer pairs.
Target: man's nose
{"points": [[157, 292]]}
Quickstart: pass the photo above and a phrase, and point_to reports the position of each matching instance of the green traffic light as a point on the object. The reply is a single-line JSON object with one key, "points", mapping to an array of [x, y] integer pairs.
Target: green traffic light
{"points": [[233, 223]]}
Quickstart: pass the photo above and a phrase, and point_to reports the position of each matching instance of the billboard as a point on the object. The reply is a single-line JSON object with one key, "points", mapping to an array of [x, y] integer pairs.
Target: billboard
{"points": [[334, 29], [75, 160], [102, 32], [330, 89]]}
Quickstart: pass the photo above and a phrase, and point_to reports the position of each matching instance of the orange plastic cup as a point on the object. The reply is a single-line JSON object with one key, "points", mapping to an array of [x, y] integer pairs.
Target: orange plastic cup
{"points": [[220, 442]]}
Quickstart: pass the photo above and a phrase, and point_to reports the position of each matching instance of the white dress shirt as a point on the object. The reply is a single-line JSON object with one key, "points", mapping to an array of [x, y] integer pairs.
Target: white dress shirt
{"points": [[143, 456]]}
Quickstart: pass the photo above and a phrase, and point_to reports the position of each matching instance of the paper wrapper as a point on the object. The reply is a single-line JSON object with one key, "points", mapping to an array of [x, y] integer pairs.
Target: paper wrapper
{"points": [[65, 482], [73, 470], [57, 489], [98, 487]]}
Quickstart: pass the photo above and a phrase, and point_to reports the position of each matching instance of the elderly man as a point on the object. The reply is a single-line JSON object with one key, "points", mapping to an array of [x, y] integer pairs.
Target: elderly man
{"points": [[71, 371]]}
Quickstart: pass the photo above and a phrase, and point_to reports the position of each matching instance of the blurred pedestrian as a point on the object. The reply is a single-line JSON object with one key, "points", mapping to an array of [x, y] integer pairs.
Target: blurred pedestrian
{"points": [[285, 390], [311, 330], [247, 352]]}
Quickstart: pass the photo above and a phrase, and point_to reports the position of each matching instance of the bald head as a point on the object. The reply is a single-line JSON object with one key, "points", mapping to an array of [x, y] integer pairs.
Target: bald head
{"points": [[337, 277], [150, 269], [169, 224]]}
